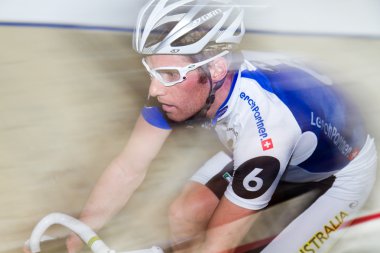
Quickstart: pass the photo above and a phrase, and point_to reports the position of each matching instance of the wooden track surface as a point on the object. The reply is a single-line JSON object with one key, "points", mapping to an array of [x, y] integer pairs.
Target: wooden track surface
{"points": [[68, 101]]}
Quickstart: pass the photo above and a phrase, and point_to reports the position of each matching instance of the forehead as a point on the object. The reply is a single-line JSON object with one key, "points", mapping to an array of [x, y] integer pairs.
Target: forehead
{"points": [[156, 61]]}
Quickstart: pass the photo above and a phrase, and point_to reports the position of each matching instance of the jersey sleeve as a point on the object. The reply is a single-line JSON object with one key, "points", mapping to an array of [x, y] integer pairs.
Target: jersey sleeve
{"points": [[155, 117], [262, 151], [153, 114]]}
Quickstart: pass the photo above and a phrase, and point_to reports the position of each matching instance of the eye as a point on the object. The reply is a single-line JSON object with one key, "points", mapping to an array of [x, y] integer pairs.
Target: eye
{"points": [[169, 75]]}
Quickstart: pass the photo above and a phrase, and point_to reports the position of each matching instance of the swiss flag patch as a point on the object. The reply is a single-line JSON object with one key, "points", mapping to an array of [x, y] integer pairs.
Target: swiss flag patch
{"points": [[267, 144]]}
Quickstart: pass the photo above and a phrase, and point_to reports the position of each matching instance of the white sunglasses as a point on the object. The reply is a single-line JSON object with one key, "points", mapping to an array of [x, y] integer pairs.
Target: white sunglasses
{"points": [[170, 76]]}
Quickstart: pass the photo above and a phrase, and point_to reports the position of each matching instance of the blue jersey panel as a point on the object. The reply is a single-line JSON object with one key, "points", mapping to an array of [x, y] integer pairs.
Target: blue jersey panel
{"points": [[318, 108]]}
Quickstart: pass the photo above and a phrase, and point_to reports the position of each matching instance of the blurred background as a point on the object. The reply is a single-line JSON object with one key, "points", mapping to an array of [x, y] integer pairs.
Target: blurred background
{"points": [[71, 88]]}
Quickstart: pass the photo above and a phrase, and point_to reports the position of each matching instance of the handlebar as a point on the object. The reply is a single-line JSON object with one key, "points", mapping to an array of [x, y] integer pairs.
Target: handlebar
{"points": [[83, 231]]}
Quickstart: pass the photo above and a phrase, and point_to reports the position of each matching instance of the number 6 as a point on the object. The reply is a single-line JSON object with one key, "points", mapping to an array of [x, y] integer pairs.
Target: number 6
{"points": [[248, 184], [252, 177]]}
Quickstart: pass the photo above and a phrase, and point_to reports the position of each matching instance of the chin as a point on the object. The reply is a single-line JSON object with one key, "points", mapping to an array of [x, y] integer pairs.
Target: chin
{"points": [[177, 118]]}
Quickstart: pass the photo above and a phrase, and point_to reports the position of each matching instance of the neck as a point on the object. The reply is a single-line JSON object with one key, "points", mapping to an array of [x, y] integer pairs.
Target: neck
{"points": [[221, 95]]}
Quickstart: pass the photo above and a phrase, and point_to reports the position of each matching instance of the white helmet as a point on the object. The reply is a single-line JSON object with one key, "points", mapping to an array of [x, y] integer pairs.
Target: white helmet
{"points": [[187, 26]]}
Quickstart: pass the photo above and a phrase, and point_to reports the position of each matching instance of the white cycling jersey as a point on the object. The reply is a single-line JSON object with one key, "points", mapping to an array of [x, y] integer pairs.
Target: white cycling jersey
{"points": [[284, 122]]}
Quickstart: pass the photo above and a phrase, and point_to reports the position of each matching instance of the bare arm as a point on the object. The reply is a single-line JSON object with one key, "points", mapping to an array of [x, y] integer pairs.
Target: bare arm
{"points": [[227, 228], [120, 179], [125, 173]]}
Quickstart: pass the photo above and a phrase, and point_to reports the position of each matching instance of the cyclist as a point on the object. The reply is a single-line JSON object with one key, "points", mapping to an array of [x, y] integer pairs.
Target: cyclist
{"points": [[285, 125]]}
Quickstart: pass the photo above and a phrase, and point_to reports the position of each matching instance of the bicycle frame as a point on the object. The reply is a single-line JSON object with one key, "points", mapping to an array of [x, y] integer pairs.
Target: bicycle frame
{"points": [[83, 231]]}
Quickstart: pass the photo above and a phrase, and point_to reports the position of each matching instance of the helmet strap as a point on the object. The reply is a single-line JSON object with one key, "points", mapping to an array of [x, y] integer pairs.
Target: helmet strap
{"points": [[200, 116], [211, 96]]}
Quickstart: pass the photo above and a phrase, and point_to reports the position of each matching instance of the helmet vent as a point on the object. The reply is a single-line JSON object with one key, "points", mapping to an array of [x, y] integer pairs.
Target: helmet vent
{"points": [[195, 34], [159, 33]]}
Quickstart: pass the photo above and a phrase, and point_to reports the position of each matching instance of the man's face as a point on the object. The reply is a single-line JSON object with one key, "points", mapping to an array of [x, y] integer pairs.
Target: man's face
{"points": [[182, 100]]}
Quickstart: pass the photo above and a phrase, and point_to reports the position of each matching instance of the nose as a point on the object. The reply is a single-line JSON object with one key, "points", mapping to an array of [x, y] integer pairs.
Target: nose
{"points": [[156, 88]]}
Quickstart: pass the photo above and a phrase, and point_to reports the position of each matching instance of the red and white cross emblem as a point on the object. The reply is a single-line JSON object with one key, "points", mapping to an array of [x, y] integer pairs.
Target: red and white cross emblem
{"points": [[267, 144]]}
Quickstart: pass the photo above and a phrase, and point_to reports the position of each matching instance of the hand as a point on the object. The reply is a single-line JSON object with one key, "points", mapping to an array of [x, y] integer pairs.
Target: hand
{"points": [[26, 249], [73, 244]]}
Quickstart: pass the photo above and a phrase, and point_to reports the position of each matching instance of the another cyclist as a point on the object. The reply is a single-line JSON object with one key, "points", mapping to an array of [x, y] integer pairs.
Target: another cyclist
{"points": [[286, 126]]}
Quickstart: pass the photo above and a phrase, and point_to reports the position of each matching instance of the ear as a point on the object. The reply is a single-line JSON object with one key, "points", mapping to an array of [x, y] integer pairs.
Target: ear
{"points": [[218, 69]]}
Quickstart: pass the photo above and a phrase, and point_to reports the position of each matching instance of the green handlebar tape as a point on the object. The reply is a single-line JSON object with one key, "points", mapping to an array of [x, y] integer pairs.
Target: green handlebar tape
{"points": [[92, 241]]}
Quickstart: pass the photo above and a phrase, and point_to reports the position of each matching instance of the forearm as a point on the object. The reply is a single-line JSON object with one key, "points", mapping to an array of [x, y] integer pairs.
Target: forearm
{"points": [[110, 194], [124, 174], [226, 238], [227, 228]]}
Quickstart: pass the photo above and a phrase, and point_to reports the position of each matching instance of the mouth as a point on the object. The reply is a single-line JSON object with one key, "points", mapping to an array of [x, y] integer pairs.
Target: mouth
{"points": [[168, 108]]}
